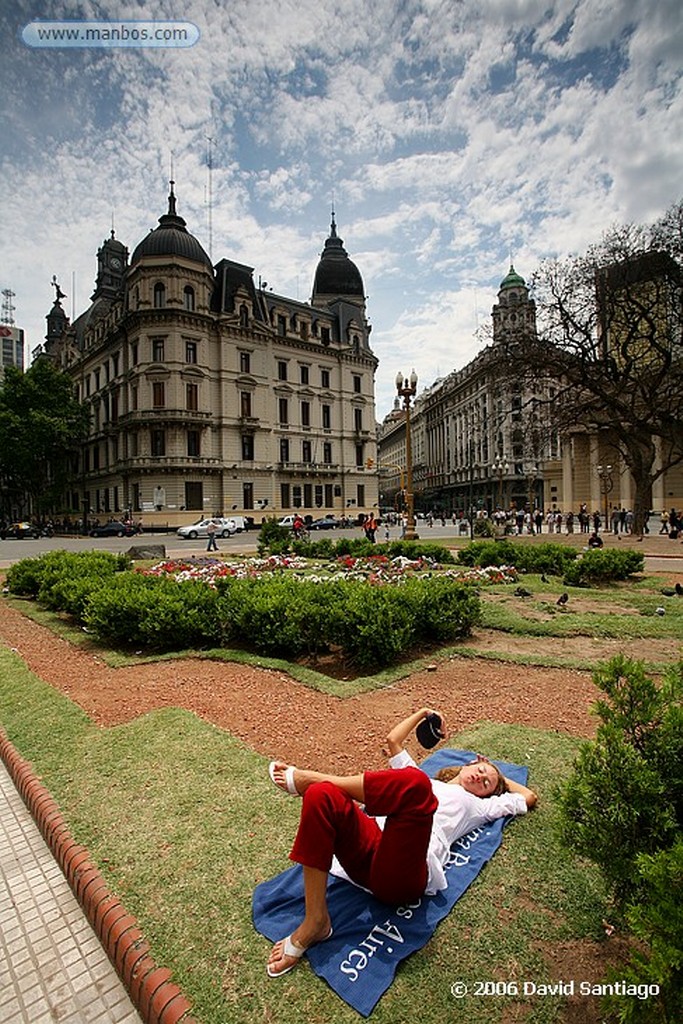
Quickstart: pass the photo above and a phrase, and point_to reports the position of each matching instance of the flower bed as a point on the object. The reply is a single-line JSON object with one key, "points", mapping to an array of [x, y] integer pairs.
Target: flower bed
{"points": [[377, 569]]}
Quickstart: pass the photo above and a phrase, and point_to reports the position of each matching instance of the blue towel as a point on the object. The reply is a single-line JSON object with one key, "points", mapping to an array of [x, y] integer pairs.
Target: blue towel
{"points": [[370, 938]]}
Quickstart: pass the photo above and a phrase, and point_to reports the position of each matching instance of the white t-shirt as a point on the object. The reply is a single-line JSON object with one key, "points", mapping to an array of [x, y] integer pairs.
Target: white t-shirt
{"points": [[457, 813]]}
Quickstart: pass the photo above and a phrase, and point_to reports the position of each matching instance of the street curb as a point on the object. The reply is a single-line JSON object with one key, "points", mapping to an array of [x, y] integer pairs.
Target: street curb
{"points": [[157, 999]]}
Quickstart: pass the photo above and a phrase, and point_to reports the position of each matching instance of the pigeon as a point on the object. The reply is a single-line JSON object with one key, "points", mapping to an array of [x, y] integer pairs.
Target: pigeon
{"points": [[668, 591], [521, 592], [544, 578], [679, 589], [660, 611], [562, 600]]}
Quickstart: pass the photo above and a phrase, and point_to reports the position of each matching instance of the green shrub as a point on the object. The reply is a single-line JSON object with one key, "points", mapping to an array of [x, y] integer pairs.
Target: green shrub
{"points": [[378, 624], [601, 566], [535, 558], [273, 538], [154, 614], [444, 610], [657, 921], [359, 547], [33, 577], [483, 528], [624, 795]]}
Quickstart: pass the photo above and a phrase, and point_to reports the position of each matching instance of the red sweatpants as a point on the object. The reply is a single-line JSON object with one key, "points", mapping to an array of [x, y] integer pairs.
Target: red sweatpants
{"points": [[391, 863]]}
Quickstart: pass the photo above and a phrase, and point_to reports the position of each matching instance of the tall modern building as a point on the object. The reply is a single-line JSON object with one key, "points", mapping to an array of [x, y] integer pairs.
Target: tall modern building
{"points": [[211, 394]]}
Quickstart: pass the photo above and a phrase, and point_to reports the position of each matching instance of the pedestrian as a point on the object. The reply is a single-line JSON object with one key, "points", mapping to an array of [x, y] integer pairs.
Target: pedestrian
{"points": [[211, 531]]}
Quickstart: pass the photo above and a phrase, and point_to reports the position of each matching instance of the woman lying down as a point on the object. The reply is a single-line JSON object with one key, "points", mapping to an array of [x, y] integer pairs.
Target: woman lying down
{"points": [[403, 857]]}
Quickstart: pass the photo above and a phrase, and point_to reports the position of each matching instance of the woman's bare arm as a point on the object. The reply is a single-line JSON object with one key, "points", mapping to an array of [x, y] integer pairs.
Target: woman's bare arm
{"points": [[400, 733]]}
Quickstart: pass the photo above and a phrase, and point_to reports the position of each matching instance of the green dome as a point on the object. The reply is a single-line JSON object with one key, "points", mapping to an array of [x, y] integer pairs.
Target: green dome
{"points": [[512, 280]]}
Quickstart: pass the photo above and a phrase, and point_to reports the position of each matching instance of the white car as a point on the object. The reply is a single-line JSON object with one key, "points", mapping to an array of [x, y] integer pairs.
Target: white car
{"points": [[224, 528]]}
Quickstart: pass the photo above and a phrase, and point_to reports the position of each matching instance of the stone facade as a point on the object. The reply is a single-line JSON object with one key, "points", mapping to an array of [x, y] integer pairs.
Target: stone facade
{"points": [[211, 394]]}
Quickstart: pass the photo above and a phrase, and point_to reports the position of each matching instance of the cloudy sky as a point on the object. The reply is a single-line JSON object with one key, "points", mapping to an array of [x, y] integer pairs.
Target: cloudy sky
{"points": [[451, 135]]}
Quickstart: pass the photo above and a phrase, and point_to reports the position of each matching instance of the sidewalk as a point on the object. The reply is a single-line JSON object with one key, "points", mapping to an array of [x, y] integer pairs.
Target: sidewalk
{"points": [[52, 965]]}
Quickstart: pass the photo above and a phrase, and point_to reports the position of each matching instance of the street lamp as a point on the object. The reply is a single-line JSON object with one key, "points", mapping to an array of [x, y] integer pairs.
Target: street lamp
{"points": [[407, 388], [501, 467], [606, 485]]}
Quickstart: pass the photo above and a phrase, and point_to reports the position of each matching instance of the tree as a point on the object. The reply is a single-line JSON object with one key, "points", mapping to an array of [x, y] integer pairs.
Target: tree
{"points": [[610, 331], [42, 427]]}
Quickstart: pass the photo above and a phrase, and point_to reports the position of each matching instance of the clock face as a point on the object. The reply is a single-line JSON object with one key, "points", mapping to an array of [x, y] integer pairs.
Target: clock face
{"points": [[115, 263]]}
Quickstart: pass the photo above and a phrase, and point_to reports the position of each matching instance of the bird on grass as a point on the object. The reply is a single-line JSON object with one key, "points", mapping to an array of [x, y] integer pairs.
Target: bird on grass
{"points": [[562, 600], [521, 592], [544, 578], [679, 589], [668, 591]]}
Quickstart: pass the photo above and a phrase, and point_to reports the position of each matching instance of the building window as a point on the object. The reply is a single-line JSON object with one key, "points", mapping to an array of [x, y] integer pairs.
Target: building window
{"points": [[329, 500], [359, 455], [360, 495], [245, 362], [158, 394], [296, 495], [282, 326], [134, 354], [189, 298], [248, 447], [308, 495], [357, 383], [327, 417], [327, 453], [115, 406], [193, 443], [133, 397], [192, 397], [194, 496], [244, 316], [325, 378], [96, 457], [115, 364], [245, 404], [97, 380], [158, 443], [247, 495], [157, 350], [284, 496], [318, 495], [281, 369], [306, 451], [284, 449], [191, 352], [304, 373], [303, 330], [305, 414], [325, 335], [159, 296], [358, 420], [283, 410]]}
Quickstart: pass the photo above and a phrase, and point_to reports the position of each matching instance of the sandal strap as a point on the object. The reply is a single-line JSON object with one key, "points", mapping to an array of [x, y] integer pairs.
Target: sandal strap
{"points": [[291, 948]]}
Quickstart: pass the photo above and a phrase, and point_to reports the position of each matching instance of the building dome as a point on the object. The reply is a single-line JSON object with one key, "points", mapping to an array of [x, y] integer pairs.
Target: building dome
{"points": [[512, 280], [336, 275], [171, 238]]}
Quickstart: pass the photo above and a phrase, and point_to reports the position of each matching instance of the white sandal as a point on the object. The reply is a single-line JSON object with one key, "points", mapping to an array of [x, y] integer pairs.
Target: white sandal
{"points": [[291, 949], [289, 786]]}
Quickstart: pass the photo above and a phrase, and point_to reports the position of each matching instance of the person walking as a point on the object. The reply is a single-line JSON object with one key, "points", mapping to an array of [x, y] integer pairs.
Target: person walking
{"points": [[211, 531]]}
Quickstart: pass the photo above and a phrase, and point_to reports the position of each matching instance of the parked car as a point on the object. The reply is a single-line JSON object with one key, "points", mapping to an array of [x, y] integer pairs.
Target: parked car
{"points": [[225, 528], [113, 529], [326, 523], [21, 530]]}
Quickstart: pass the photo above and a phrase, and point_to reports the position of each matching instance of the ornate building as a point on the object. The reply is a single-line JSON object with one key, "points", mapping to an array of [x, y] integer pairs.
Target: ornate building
{"points": [[478, 442], [210, 394]]}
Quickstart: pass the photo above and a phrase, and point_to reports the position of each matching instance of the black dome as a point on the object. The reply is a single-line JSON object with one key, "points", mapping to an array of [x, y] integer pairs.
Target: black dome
{"points": [[336, 274], [171, 238]]}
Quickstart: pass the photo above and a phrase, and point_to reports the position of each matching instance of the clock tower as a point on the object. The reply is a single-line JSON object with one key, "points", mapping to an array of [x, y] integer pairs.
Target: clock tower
{"points": [[112, 263]]}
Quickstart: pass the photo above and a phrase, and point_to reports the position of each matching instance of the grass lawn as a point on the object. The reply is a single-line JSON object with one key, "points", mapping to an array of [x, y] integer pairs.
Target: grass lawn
{"points": [[183, 821]]}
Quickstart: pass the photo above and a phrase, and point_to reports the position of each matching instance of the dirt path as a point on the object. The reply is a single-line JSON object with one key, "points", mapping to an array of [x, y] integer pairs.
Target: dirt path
{"points": [[276, 715]]}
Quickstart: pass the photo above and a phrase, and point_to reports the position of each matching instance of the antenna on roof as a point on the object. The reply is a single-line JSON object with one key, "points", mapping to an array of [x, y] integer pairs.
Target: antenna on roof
{"points": [[209, 161]]}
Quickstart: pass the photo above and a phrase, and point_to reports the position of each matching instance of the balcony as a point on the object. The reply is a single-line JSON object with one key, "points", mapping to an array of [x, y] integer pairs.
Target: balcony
{"points": [[309, 468], [164, 416]]}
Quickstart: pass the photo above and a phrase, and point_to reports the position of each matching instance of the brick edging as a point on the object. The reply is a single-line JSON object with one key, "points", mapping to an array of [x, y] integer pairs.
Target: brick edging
{"points": [[157, 999]]}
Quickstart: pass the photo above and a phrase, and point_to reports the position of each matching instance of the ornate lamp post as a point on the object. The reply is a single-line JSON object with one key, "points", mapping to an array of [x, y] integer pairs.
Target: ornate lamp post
{"points": [[606, 485], [407, 388], [500, 467]]}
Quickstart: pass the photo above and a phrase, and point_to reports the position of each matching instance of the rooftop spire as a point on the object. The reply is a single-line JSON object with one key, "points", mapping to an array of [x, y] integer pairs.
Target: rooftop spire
{"points": [[171, 199]]}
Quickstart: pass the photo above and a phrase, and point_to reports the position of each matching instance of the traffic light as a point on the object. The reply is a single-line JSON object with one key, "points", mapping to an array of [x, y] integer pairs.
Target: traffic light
{"points": [[369, 463]]}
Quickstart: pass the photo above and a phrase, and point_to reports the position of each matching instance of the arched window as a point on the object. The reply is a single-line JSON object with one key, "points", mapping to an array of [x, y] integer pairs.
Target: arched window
{"points": [[159, 295], [244, 316], [189, 297]]}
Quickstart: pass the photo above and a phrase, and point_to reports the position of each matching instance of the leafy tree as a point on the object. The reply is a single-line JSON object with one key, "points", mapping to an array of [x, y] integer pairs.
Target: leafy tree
{"points": [[41, 429], [609, 330]]}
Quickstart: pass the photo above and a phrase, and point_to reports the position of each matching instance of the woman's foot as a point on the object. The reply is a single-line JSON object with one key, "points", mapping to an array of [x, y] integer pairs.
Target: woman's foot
{"points": [[286, 953], [285, 777]]}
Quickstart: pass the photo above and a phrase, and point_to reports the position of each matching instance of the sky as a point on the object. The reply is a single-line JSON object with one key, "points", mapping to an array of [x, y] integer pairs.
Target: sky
{"points": [[451, 136]]}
